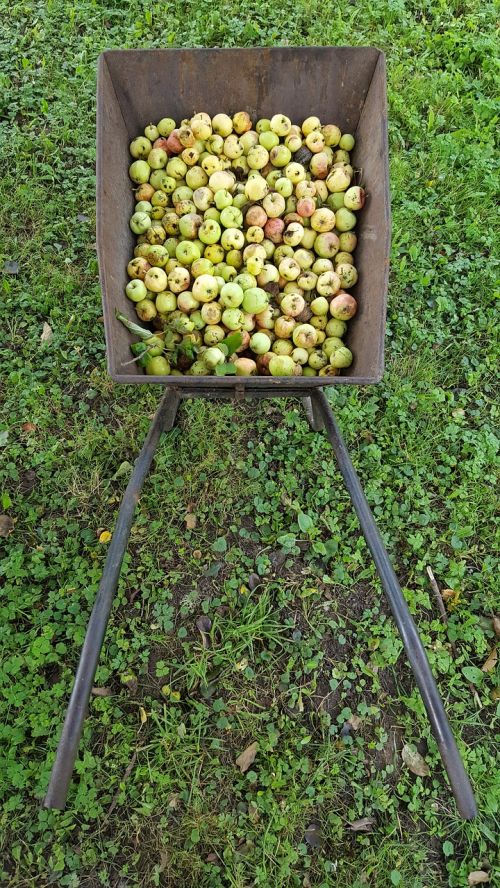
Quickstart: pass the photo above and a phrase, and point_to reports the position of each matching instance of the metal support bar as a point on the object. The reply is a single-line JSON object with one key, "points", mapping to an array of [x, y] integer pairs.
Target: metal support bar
{"points": [[415, 650], [77, 708]]}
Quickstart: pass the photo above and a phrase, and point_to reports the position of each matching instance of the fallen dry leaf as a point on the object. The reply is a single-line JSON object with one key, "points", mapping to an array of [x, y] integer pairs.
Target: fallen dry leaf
{"points": [[46, 333], [354, 722], [496, 625], [102, 692], [247, 757], [364, 824], [491, 662], [28, 427], [6, 525], [478, 877], [190, 520], [414, 761], [143, 714], [197, 553], [204, 625], [104, 536]]}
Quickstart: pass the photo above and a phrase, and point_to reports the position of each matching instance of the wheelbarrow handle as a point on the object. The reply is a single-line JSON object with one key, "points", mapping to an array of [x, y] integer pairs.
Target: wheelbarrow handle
{"points": [[415, 650], [76, 712]]}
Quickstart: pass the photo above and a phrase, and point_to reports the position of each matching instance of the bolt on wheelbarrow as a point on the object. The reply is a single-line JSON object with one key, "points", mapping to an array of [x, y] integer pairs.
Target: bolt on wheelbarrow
{"points": [[341, 84]]}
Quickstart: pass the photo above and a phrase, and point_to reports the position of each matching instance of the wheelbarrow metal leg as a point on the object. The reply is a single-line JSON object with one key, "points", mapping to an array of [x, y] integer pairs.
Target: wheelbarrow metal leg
{"points": [[415, 650], [313, 415], [67, 749]]}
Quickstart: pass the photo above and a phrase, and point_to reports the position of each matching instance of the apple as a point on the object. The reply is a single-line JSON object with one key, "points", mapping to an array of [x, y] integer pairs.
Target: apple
{"points": [[174, 144], [232, 318], [231, 295], [201, 266], [289, 269], [241, 122], [338, 179], [354, 198], [255, 234], [293, 234], [245, 281], [140, 148], [295, 172], [342, 257], [205, 288], [255, 300], [280, 124], [274, 205], [209, 231], [245, 367], [189, 225], [186, 302], [211, 313], [315, 141], [176, 168], [222, 180], [347, 142], [265, 319], [304, 336], [283, 326], [223, 198], [190, 156], [260, 343], [263, 125], [284, 186], [328, 284], [201, 129], [157, 158], [140, 222], [256, 188], [139, 171], [232, 239], [187, 252], [136, 290], [222, 125], [256, 215], [214, 252], [138, 267], [282, 365], [159, 199], [345, 219], [319, 165], [269, 140], [158, 255], [179, 279], [343, 306], [320, 306], [292, 305], [326, 245], [231, 217], [248, 141], [280, 156], [273, 230], [166, 302], [282, 347], [213, 333], [257, 157], [151, 132], [310, 124], [293, 142], [144, 191], [348, 275], [203, 198], [210, 164], [157, 366], [156, 279], [323, 220], [269, 274], [165, 126], [234, 259], [331, 134]]}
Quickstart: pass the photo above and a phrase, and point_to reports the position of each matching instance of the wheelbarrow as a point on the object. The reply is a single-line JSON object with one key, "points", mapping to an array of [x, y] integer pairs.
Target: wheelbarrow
{"points": [[343, 85]]}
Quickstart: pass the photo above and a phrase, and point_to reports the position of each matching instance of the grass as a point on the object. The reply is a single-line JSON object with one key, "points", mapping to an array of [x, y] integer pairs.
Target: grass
{"points": [[308, 663]]}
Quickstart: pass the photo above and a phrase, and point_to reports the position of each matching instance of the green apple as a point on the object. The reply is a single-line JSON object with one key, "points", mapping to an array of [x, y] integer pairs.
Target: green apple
{"points": [[136, 290]]}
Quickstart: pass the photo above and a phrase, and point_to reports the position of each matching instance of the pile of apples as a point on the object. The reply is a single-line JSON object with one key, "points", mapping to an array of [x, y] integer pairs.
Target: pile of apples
{"points": [[245, 243]]}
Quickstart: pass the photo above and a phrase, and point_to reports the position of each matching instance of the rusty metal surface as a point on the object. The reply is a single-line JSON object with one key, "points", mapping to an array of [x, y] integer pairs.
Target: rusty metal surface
{"points": [[343, 85]]}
